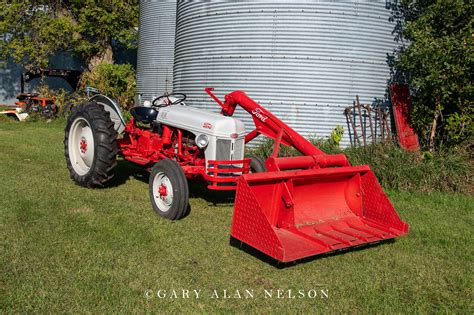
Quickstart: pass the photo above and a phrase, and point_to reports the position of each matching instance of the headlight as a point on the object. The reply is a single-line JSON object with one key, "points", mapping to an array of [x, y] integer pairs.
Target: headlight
{"points": [[202, 140]]}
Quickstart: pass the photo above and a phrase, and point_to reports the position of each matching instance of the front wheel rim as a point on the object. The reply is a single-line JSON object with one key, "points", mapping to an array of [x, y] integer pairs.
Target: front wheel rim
{"points": [[162, 192], [81, 146]]}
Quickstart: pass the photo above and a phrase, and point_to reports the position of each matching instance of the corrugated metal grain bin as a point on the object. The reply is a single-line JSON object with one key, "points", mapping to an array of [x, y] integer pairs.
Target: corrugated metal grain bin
{"points": [[304, 61], [155, 48]]}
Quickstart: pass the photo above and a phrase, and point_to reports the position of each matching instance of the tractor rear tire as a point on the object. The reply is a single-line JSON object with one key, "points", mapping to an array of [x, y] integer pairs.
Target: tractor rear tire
{"points": [[169, 191], [90, 145], [257, 165]]}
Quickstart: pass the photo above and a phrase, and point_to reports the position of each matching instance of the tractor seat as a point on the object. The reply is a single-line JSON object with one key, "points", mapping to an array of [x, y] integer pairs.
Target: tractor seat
{"points": [[144, 114]]}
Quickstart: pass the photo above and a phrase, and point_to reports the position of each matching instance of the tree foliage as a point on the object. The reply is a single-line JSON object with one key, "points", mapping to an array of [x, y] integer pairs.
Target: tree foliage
{"points": [[34, 30], [437, 63], [116, 81]]}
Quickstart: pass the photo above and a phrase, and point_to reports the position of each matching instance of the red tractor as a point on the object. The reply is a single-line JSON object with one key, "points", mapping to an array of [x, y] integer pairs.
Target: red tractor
{"points": [[286, 207], [32, 102]]}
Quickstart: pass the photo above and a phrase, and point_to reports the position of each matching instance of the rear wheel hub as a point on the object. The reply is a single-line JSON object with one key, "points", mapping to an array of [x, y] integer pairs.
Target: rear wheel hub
{"points": [[81, 146]]}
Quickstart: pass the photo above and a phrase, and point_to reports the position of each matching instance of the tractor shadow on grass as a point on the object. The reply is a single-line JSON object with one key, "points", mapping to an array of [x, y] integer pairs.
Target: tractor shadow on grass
{"points": [[215, 197], [280, 265], [124, 171]]}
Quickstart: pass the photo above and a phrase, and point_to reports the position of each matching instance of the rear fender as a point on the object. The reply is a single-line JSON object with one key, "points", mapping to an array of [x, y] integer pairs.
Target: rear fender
{"points": [[112, 107]]}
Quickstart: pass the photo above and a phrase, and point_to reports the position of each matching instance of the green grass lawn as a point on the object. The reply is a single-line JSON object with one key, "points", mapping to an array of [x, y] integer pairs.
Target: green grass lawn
{"points": [[64, 248]]}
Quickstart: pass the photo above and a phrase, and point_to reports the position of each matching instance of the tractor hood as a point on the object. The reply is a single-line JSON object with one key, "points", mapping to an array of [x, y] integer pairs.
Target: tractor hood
{"points": [[200, 121]]}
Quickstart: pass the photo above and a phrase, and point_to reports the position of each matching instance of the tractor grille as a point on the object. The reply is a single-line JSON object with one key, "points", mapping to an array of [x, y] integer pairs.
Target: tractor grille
{"points": [[227, 150], [238, 150], [223, 149]]}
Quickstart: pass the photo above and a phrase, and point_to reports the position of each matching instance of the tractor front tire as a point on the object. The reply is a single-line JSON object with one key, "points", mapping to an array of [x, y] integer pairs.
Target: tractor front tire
{"points": [[257, 165], [90, 145], [169, 191]]}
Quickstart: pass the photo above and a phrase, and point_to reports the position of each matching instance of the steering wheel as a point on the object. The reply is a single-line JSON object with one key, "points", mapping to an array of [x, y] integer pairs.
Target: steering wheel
{"points": [[166, 99]]}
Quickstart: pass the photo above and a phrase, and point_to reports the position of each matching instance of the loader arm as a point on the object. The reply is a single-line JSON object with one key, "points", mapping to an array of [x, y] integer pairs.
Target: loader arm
{"points": [[269, 125], [265, 122]]}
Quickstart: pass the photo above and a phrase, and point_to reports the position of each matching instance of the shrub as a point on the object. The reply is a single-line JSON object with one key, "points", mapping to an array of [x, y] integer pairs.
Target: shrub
{"points": [[62, 99], [449, 170], [438, 67], [116, 81], [265, 149], [396, 168]]}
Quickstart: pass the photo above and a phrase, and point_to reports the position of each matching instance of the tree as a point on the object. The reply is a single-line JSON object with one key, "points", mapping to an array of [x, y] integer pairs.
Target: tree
{"points": [[437, 64], [35, 30], [116, 81]]}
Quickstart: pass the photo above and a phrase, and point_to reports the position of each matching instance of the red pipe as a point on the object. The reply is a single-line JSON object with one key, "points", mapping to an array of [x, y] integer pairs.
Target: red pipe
{"points": [[297, 162], [331, 160], [166, 136], [252, 134], [180, 142]]}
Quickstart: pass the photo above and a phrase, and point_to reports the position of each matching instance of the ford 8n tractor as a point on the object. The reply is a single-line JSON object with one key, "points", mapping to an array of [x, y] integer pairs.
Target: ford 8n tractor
{"points": [[286, 207]]}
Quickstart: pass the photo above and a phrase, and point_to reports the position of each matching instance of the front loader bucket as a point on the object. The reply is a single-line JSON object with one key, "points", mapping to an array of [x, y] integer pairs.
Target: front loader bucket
{"points": [[290, 215]]}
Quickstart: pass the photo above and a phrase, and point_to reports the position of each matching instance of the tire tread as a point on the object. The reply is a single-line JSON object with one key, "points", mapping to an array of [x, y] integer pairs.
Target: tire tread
{"points": [[179, 208], [105, 140]]}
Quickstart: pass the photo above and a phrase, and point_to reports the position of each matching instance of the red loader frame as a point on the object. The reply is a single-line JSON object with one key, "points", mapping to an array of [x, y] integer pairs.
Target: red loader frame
{"points": [[306, 205]]}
